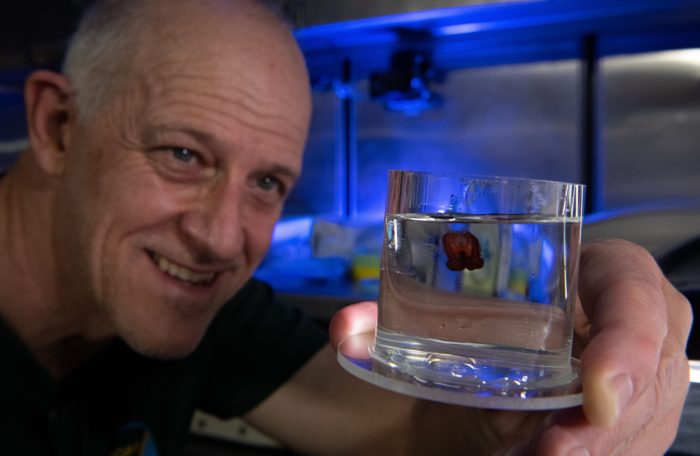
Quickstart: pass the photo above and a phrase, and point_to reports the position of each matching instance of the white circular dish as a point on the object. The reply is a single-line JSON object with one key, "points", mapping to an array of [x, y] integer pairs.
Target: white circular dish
{"points": [[354, 356]]}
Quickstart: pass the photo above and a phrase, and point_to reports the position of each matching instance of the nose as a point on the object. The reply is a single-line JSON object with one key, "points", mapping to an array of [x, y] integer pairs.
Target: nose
{"points": [[215, 227]]}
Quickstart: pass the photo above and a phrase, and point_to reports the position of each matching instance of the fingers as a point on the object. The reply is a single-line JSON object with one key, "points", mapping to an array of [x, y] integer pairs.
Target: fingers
{"points": [[647, 427], [635, 369], [353, 319], [680, 316], [622, 295], [571, 434], [649, 423]]}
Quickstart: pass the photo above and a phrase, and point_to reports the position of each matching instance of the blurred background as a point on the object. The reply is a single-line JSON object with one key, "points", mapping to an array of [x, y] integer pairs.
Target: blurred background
{"points": [[601, 92]]}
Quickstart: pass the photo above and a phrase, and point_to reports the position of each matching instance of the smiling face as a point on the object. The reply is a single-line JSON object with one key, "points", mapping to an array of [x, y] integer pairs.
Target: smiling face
{"points": [[172, 187]]}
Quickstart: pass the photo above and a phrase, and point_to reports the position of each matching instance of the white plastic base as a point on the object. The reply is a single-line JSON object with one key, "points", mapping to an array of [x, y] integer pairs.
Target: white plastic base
{"points": [[354, 356]]}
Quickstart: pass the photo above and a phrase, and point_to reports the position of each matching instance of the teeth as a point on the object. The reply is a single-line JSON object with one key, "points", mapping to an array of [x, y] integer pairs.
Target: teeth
{"points": [[184, 274]]}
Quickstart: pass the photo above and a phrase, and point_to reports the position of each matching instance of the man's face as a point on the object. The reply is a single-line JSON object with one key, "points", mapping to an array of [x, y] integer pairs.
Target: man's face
{"points": [[171, 191]]}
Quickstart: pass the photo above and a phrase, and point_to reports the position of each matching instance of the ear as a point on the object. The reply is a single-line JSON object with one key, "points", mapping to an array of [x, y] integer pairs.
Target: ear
{"points": [[46, 96]]}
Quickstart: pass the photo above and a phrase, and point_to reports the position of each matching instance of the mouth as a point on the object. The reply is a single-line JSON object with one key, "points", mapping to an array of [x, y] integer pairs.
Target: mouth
{"points": [[181, 273]]}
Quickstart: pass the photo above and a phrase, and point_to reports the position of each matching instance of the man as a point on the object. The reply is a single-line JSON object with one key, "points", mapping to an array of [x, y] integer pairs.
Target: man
{"points": [[158, 163]]}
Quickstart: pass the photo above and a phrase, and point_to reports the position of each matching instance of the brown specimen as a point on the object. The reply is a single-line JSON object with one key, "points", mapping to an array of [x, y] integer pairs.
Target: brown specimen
{"points": [[463, 251]]}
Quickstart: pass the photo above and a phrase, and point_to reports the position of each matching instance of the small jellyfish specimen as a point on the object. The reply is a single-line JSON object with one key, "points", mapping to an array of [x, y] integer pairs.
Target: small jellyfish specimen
{"points": [[463, 251]]}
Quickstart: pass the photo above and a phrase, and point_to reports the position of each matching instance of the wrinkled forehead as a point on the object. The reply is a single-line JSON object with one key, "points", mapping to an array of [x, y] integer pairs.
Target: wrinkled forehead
{"points": [[234, 43]]}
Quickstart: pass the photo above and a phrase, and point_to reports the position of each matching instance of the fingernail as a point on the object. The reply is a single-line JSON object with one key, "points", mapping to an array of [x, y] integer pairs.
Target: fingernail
{"points": [[620, 389], [606, 397], [579, 451]]}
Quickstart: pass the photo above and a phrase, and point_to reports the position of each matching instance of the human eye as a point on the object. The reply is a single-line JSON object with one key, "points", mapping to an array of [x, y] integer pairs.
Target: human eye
{"points": [[271, 189], [270, 184], [181, 163], [183, 154]]}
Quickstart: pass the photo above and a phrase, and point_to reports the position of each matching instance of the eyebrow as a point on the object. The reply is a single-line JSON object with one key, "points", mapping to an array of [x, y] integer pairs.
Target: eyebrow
{"points": [[284, 170], [198, 135], [211, 141]]}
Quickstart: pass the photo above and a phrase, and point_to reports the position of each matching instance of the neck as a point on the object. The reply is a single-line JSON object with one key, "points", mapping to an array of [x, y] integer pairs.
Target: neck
{"points": [[53, 329]]}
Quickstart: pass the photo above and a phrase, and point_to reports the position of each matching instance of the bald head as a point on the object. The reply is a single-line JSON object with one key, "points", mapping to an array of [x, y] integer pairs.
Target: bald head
{"points": [[117, 40]]}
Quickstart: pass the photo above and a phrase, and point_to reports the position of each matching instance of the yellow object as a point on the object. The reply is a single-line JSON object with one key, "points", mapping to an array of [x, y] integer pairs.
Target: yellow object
{"points": [[365, 267]]}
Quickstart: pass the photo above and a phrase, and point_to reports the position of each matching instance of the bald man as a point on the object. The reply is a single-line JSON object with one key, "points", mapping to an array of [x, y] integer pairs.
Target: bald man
{"points": [[159, 161]]}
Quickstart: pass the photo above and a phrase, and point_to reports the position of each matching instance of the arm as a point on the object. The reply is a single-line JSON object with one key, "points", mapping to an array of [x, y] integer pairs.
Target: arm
{"points": [[632, 323], [324, 410]]}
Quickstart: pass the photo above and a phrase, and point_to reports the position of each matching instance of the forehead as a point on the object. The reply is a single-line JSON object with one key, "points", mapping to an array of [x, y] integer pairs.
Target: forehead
{"points": [[224, 35], [224, 98], [234, 70]]}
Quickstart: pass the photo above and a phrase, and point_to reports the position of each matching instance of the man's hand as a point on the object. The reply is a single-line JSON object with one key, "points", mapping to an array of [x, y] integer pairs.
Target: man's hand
{"points": [[632, 327]]}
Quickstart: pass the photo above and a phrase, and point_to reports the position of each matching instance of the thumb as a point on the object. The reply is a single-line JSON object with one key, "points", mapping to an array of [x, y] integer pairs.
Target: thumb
{"points": [[353, 319]]}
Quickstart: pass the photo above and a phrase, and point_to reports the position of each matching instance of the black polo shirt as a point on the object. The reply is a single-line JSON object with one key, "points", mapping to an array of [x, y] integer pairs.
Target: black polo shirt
{"points": [[121, 403]]}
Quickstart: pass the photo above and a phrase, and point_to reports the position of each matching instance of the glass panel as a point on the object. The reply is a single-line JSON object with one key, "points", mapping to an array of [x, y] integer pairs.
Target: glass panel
{"points": [[651, 129], [320, 187], [515, 120]]}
